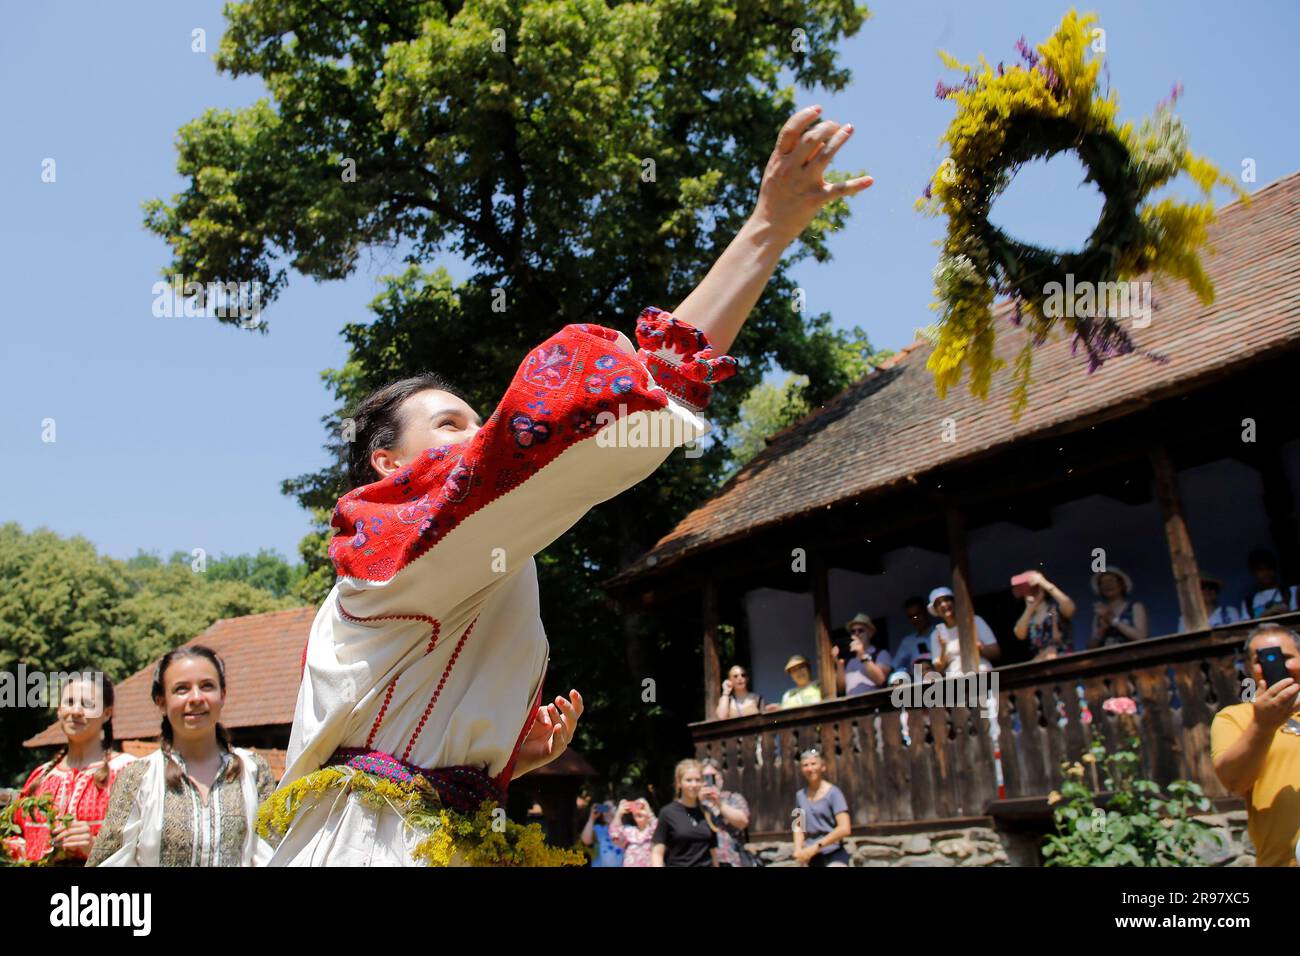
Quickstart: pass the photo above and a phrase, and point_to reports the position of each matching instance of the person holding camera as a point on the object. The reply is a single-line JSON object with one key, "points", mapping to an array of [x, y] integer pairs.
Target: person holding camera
{"points": [[1045, 621], [597, 833], [1256, 745], [730, 813], [737, 699], [632, 827], [868, 666]]}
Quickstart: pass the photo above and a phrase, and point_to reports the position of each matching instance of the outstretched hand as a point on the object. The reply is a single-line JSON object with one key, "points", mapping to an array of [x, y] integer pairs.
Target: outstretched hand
{"points": [[794, 187], [550, 734]]}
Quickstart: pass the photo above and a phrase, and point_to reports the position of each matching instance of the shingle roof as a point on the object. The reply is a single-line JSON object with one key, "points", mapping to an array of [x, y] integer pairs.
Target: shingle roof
{"points": [[263, 657], [885, 429]]}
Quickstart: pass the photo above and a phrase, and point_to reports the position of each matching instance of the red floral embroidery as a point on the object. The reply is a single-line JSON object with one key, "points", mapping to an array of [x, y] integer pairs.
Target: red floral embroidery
{"points": [[680, 358], [549, 407]]}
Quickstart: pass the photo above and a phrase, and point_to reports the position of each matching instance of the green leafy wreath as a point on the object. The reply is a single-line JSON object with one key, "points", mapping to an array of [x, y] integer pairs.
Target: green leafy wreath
{"points": [[1011, 115]]}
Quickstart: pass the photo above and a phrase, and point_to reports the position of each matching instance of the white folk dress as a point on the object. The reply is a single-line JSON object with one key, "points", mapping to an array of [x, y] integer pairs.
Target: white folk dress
{"points": [[429, 651]]}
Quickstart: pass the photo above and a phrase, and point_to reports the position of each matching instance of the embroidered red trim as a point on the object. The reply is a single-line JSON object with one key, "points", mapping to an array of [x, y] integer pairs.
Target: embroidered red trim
{"points": [[435, 629], [508, 771], [442, 682], [554, 401]]}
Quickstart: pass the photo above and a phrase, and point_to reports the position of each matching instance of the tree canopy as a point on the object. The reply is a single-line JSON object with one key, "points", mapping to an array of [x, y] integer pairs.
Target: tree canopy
{"points": [[586, 158], [68, 608]]}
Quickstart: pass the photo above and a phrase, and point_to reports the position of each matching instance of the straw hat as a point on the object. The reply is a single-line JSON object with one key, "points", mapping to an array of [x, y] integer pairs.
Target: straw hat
{"points": [[860, 618], [1096, 580], [796, 661]]}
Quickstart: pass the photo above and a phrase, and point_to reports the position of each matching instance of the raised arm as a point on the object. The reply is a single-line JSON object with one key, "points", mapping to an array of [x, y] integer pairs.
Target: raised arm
{"points": [[793, 191]]}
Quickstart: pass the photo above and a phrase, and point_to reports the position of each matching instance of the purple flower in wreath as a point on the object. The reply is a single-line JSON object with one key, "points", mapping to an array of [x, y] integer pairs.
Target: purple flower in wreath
{"points": [[528, 432], [605, 362], [621, 384]]}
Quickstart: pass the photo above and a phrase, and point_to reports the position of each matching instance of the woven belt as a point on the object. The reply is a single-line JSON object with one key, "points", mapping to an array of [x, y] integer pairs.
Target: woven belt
{"points": [[462, 788]]}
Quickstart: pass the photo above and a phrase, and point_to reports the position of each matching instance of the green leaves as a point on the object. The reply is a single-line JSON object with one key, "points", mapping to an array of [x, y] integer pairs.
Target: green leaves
{"points": [[1137, 828], [68, 608], [587, 159]]}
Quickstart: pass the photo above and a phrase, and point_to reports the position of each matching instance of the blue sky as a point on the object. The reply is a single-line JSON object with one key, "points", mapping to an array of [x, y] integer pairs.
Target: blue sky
{"points": [[174, 433]]}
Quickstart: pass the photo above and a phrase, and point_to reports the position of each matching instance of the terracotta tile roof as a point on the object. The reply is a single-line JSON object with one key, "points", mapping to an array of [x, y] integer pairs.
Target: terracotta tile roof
{"points": [[263, 656], [886, 428]]}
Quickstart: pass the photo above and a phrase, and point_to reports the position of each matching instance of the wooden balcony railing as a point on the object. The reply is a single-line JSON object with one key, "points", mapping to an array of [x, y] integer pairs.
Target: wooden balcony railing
{"points": [[938, 764]]}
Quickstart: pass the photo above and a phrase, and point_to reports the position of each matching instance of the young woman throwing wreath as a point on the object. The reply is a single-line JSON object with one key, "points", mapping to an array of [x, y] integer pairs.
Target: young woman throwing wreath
{"points": [[421, 695]]}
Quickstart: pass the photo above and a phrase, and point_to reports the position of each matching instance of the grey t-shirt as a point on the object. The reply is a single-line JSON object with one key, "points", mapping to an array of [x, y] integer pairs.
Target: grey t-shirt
{"points": [[856, 680], [819, 815]]}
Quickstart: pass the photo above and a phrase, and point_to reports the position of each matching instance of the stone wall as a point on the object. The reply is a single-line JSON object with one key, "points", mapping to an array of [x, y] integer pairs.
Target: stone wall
{"points": [[971, 846], [985, 846], [1236, 848]]}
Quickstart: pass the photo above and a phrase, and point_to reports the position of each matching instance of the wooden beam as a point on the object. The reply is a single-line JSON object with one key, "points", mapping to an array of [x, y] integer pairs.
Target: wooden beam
{"points": [[822, 626], [712, 664], [965, 608], [1187, 576]]}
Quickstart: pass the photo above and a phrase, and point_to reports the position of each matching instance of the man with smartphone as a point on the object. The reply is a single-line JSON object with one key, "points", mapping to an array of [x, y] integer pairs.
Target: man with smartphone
{"points": [[1256, 745]]}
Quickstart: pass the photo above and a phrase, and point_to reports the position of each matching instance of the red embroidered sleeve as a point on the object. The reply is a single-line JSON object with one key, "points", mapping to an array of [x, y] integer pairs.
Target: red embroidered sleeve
{"points": [[680, 358], [567, 389]]}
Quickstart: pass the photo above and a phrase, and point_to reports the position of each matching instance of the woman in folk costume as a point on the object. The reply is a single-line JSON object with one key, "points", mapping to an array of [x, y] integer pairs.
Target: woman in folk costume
{"points": [[78, 780], [422, 685], [194, 800]]}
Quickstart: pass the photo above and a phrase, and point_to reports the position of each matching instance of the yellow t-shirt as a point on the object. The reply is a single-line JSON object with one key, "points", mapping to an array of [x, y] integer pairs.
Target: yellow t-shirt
{"points": [[798, 696], [1273, 806]]}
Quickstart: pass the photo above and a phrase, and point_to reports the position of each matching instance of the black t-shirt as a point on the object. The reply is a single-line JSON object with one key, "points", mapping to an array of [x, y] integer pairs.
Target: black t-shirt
{"points": [[686, 835]]}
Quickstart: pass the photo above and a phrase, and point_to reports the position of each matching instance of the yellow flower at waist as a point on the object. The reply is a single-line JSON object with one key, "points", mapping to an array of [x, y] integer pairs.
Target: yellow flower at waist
{"points": [[485, 838]]}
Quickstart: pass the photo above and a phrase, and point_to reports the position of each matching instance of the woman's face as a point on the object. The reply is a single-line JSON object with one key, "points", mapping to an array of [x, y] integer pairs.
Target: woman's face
{"points": [[691, 781], [739, 682], [947, 608], [812, 767], [1111, 586], [192, 698], [430, 419], [81, 715], [800, 675]]}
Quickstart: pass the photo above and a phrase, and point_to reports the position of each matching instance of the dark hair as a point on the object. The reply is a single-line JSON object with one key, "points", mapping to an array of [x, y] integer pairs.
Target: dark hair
{"points": [[377, 421], [101, 775], [1261, 558], [1269, 628], [159, 692], [916, 600]]}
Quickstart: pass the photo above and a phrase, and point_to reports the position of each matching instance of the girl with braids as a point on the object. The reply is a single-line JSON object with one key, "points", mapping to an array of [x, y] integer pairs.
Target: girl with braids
{"points": [[422, 687], [193, 801], [79, 778]]}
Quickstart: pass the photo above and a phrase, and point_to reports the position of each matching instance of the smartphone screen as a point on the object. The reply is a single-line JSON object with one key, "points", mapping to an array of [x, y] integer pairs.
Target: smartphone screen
{"points": [[1273, 663]]}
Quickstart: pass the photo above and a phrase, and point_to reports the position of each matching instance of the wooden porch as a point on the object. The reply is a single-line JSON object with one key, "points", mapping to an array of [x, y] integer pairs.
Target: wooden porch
{"points": [[940, 769]]}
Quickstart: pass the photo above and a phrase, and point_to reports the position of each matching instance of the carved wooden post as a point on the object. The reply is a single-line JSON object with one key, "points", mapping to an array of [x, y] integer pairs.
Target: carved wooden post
{"points": [[1187, 577], [822, 624], [965, 609], [712, 666]]}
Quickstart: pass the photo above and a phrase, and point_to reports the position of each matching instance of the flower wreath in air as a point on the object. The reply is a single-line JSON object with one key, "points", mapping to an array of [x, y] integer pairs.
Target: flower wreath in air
{"points": [[1011, 115]]}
